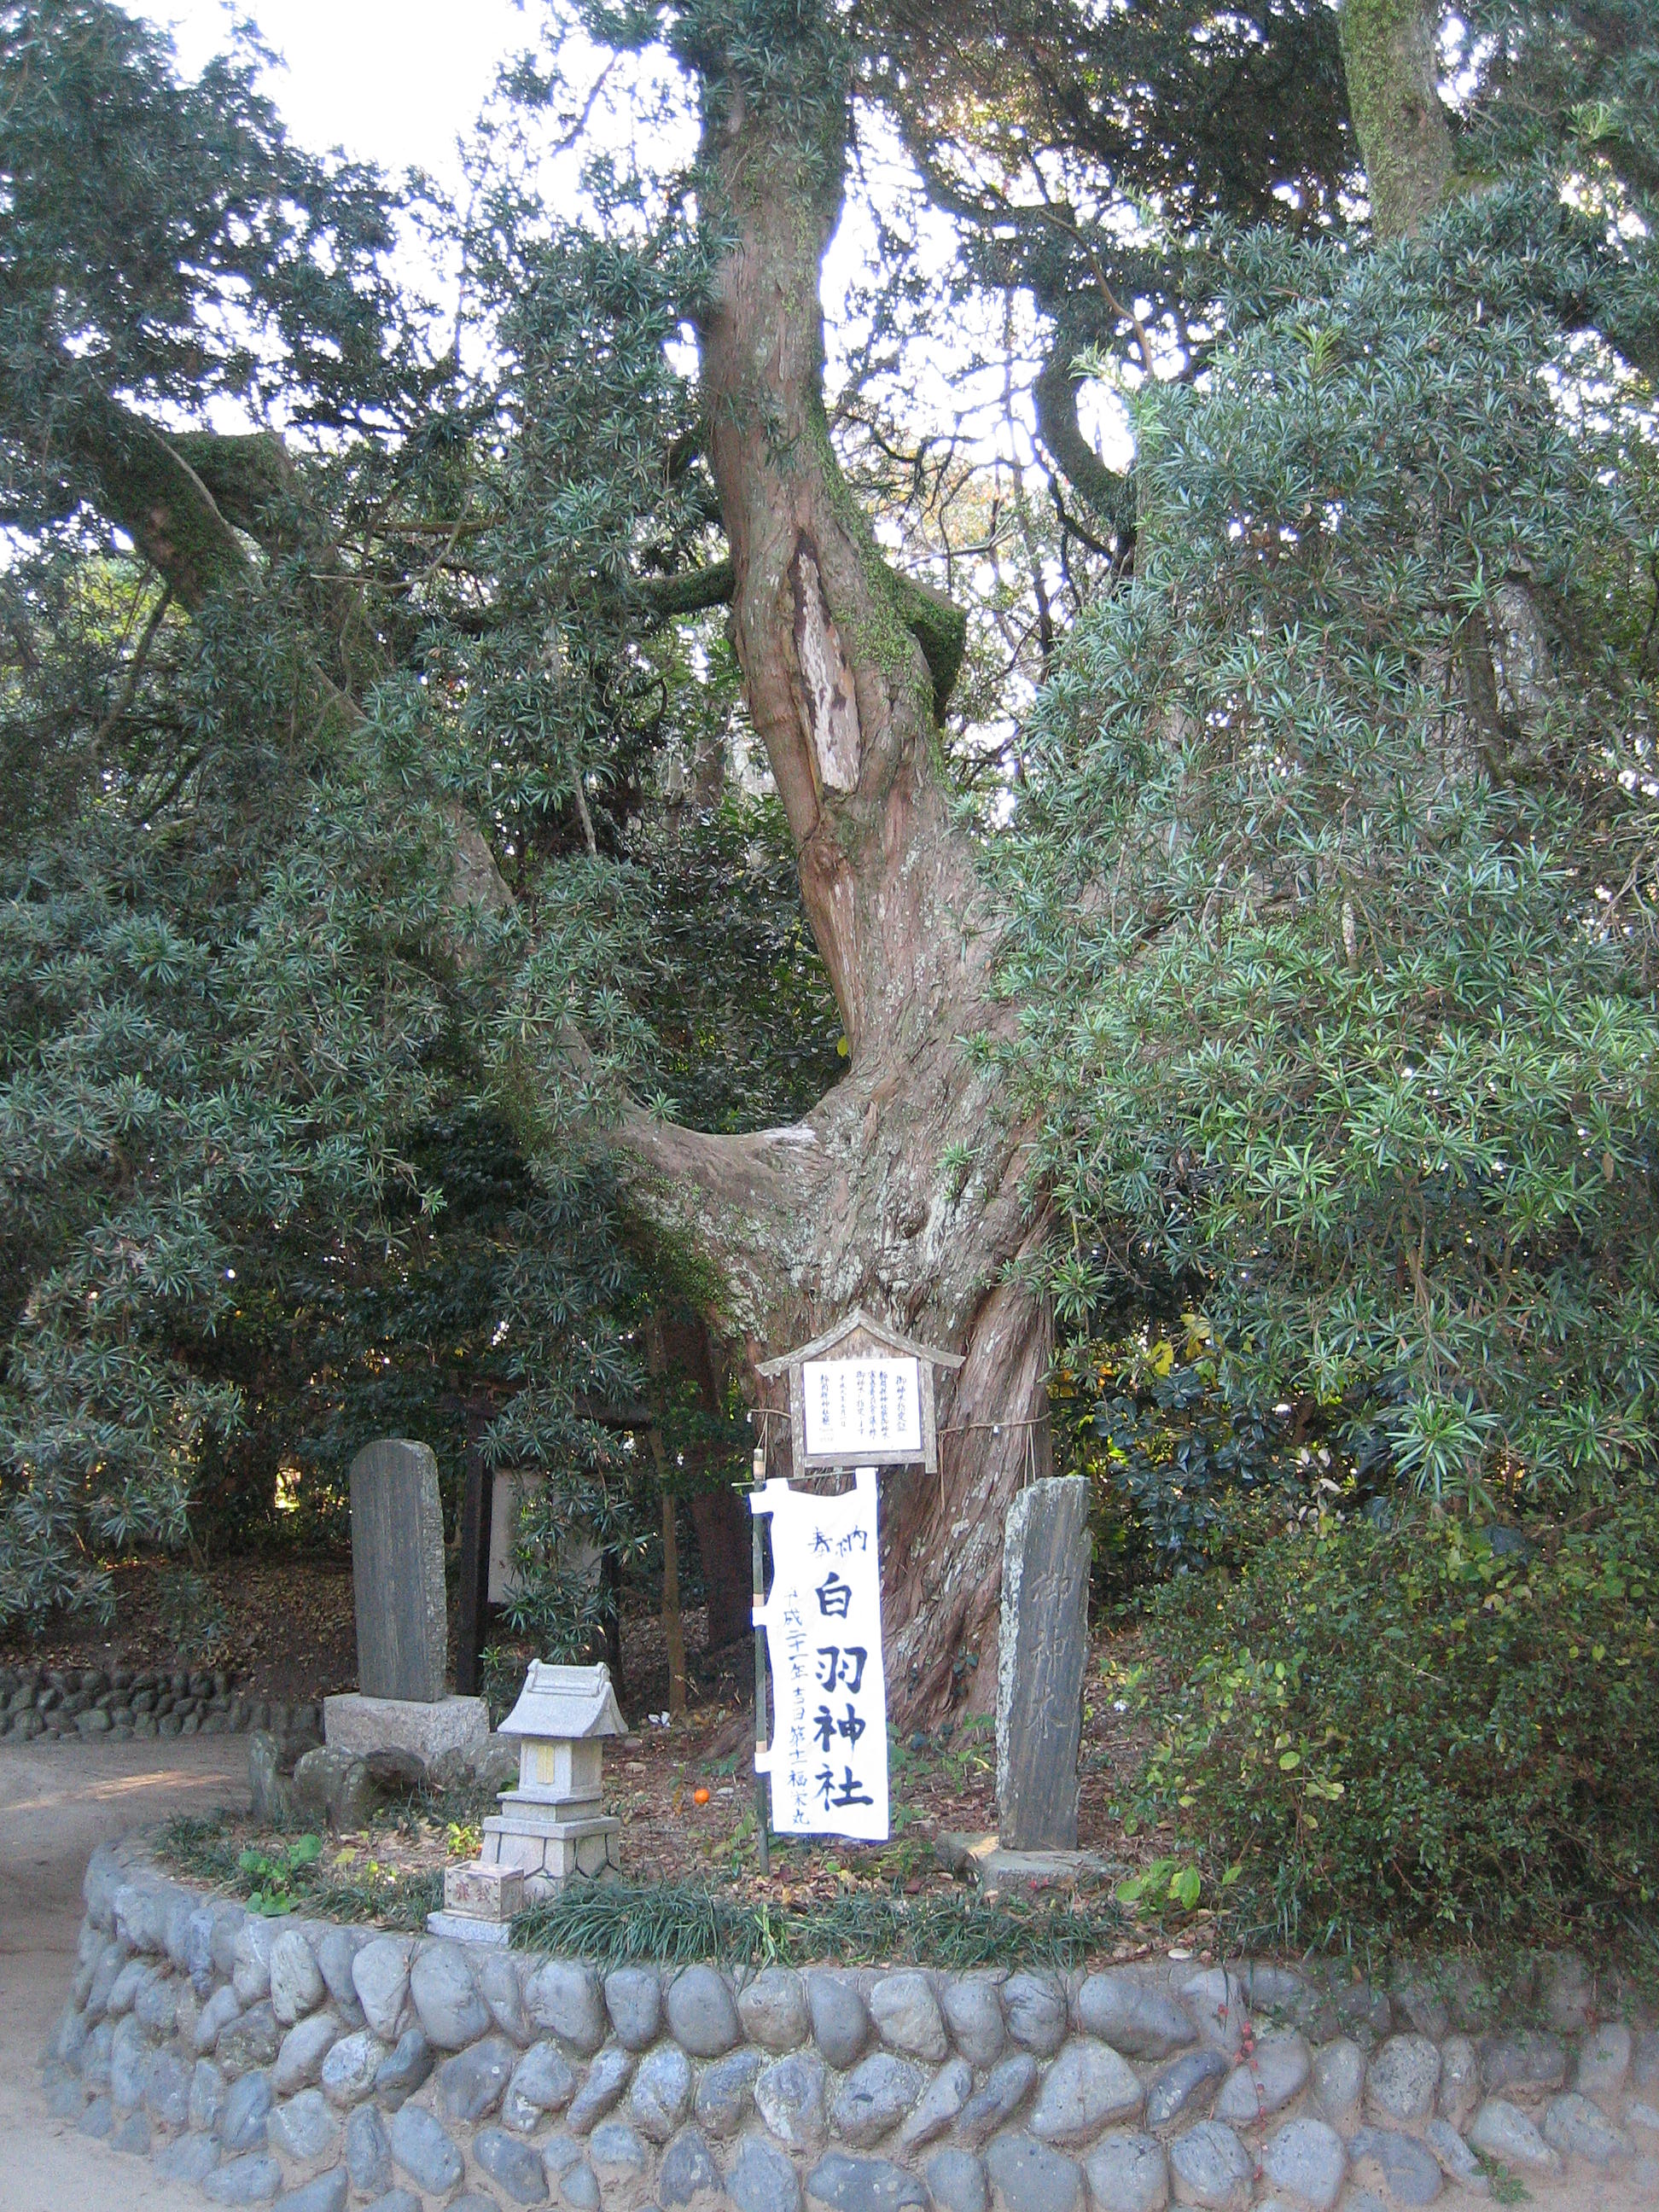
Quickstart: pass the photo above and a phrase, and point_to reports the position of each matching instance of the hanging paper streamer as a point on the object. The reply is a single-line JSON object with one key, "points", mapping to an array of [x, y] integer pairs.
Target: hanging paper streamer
{"points": [[828, 1756]]}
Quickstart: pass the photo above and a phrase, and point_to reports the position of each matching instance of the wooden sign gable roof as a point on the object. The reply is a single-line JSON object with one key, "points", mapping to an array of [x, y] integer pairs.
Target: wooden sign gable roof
{"points": [[859, 1332]]}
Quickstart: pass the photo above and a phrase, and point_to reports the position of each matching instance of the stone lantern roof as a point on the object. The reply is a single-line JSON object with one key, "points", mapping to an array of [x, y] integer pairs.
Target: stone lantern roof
{"points": [[565, 1704]]}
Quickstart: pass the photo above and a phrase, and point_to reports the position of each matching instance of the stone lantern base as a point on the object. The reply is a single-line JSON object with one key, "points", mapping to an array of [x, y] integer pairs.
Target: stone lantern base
{"points": [[552, 1844]]}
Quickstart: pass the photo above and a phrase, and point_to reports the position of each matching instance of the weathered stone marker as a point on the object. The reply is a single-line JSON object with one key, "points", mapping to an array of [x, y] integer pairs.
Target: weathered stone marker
{"points": [[398, 1572], [1044, 1645], [397, 1579]]}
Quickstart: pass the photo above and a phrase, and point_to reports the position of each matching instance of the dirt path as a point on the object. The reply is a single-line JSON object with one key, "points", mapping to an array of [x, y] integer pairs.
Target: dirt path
{"points": [[55, 1805]]}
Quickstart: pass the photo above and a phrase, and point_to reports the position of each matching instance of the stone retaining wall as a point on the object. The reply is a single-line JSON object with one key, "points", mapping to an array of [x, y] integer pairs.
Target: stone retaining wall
{"points": [[49, 1703], [320, 2066]]}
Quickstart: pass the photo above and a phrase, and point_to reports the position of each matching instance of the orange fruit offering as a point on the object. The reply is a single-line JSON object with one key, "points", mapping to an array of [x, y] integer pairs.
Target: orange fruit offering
{"points": [[699, 1797]]}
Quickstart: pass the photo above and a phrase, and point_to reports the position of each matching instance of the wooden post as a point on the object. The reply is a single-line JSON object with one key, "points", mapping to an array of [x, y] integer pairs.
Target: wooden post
{"points": [[758, 1562], [673, 1632], [472, 1610]]}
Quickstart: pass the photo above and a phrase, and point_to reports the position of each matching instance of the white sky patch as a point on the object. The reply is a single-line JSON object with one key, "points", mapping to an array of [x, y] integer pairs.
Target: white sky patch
{"points": [[395, 81], [402, 83]]}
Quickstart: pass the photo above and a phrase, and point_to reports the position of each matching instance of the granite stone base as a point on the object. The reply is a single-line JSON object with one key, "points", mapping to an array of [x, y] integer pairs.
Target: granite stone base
{"points": [[359, 1725]]}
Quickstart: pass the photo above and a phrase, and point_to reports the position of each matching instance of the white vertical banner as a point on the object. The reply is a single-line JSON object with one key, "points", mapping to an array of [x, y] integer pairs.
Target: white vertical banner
{"points": [[828, 1756]]}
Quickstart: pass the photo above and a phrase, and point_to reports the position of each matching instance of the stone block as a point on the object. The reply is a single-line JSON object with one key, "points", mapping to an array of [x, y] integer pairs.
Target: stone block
{"points": [[789, 2096], [840, 2022], [397, 1573], [840, 2183], [1036, 2009], [1404, 2076], [660, 2095], [1573, 2126], [379, 1978], [1305, 2159], [424, 2151], [1503, 2131], [1087, 2088], [762, 2179], [474, 2081], [906, 2016], [445, 1997], [1184, 2088], [1209, 2168], [1043, 1647], [399, 2076], [512, 2165], [1277, 2072], [1128, 2173], [429, 1728], [946, 2094], [773, 2008], [477, 1891], [1134, 2018], [1409, 2169], [973, 2013], [565, 1998], [956, 2181], [688, 2180], [633, 1997], [702, 2016], [351, 2069], [875, 2097], [1027, 2176], [1004, 2089], [607, 2077], [304, 2129]]}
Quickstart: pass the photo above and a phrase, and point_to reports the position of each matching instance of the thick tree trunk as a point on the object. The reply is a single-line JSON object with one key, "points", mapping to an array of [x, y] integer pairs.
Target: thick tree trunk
{"points": [[1393, 97], [902, 1190]]}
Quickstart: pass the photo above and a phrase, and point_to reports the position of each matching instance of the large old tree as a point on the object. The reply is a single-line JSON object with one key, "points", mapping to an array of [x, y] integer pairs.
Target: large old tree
{"points": [[907, 1187]]}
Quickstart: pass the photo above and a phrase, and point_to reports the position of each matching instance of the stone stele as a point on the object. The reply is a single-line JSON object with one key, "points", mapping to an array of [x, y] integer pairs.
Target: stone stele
{"points": [[398, 1572], [398, 1580], [1044, 1644]]}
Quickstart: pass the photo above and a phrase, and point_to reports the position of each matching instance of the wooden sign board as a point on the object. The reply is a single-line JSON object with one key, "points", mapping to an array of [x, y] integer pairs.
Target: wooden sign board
{"points": [[862, 1395]]}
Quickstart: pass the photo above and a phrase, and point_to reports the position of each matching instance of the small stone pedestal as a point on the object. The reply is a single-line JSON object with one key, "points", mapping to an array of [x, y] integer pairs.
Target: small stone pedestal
{"points": [[479, 1903]]}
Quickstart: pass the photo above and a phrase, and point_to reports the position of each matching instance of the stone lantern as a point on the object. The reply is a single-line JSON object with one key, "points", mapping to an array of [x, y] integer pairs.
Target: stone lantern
{"points": [[553, 1827]]}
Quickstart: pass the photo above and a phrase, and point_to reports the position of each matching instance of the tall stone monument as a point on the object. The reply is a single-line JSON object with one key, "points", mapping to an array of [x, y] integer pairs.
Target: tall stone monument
{"points": [[1044, 1648], [398, 1580]]}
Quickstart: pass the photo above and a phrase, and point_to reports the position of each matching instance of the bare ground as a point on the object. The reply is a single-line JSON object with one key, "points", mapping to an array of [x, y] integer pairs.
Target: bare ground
{"points": [[56, 1806]]}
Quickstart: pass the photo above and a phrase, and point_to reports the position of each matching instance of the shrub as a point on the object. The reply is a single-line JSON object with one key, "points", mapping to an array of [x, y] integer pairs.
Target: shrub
{"points": [[1396, 1730]]}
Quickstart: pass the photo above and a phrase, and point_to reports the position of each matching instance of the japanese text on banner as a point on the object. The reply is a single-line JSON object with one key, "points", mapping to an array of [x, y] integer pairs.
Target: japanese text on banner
{"points": [[828, 1756]]}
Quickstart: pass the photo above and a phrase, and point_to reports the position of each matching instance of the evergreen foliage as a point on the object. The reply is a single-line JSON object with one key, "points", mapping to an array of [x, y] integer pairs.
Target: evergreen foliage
{"points": [[1334, 931], [296, 1147]]}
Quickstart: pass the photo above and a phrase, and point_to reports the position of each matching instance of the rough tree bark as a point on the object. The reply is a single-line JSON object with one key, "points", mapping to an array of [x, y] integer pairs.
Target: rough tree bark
{"points": [[1393, 97], [902, 1190]]}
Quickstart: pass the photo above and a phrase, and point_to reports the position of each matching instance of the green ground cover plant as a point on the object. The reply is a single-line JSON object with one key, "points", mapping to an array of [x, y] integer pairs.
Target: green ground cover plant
{"points": [[276, 1878]]}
